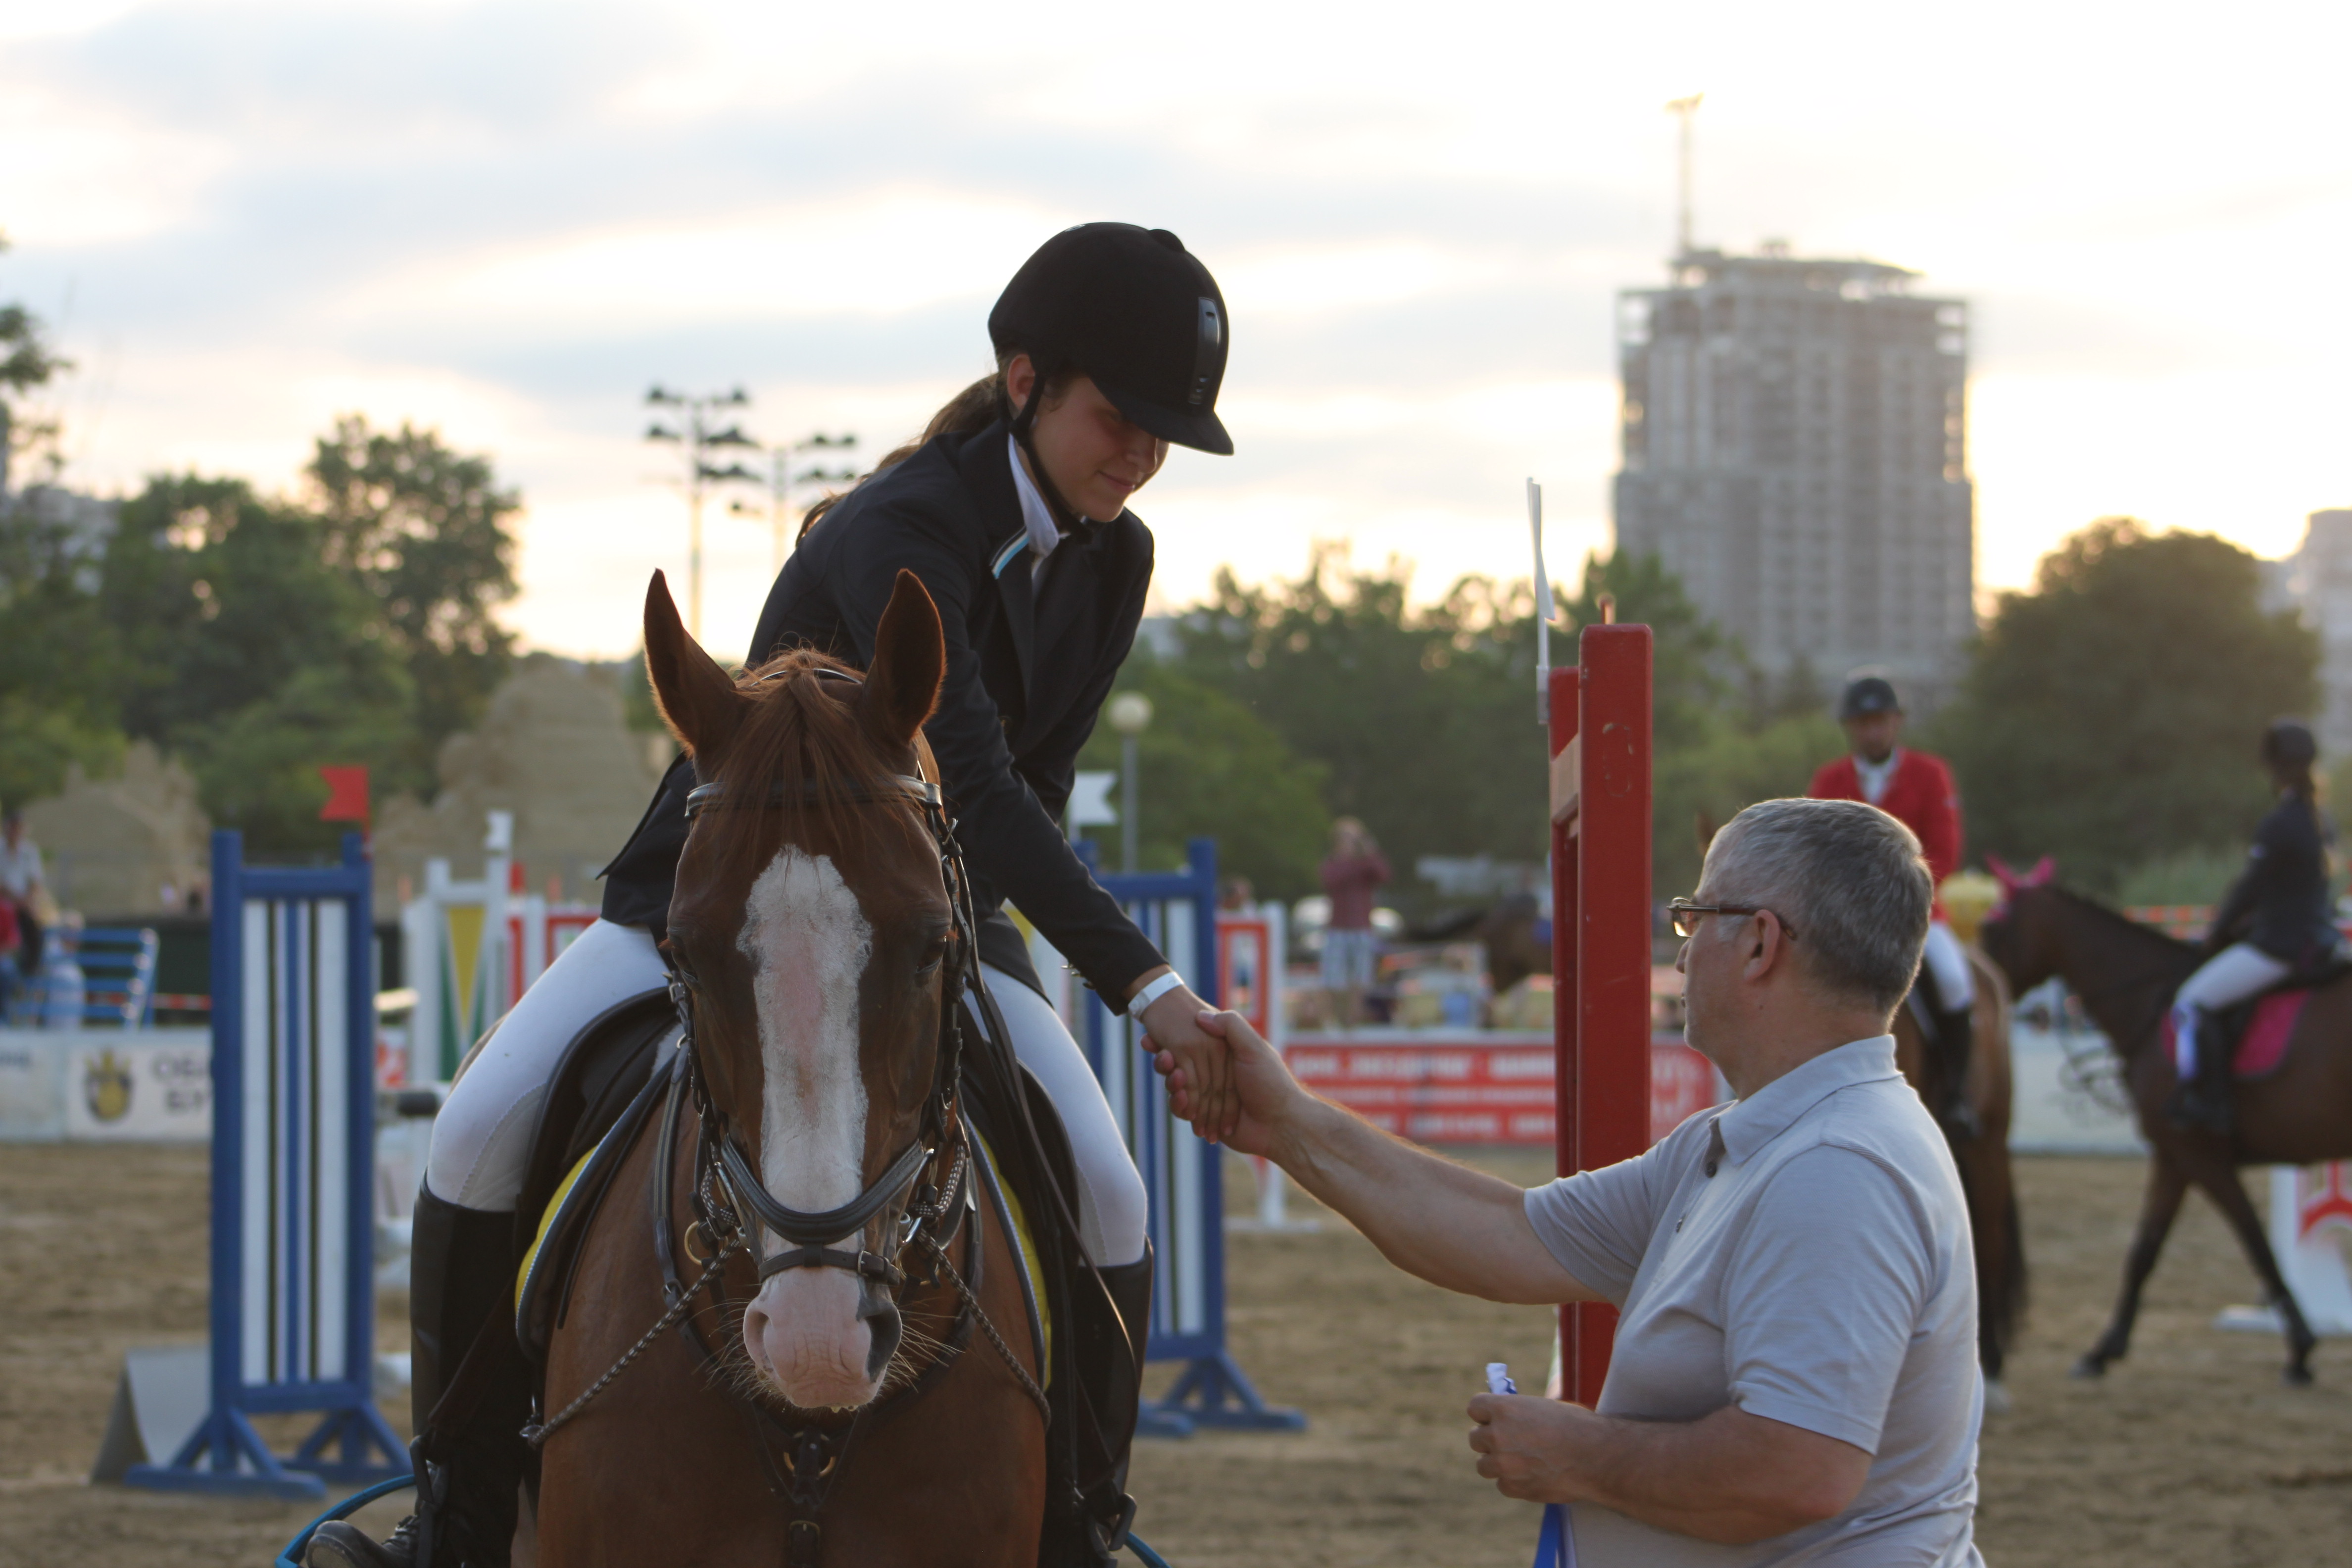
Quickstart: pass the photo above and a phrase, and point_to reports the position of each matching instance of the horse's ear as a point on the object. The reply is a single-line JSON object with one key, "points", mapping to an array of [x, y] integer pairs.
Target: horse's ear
{"points": [[910, 659], [697, 699]]}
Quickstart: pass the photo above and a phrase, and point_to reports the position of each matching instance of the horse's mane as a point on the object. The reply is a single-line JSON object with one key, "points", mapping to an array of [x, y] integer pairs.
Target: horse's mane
{"points": [[2116, 918], [803, 725]]}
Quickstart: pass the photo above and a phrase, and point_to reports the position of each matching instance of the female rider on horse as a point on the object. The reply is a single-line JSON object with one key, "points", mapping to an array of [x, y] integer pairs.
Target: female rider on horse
{"points": [[2276, 921], [1110, 344]]}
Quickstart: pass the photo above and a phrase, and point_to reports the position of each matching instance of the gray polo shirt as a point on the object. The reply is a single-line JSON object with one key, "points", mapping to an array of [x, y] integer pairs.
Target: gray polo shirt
{"points": [[1804, 1253]]}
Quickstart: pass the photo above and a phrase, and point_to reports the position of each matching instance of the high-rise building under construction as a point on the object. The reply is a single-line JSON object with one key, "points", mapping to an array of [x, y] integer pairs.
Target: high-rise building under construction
{"points": [[1796, 451]]}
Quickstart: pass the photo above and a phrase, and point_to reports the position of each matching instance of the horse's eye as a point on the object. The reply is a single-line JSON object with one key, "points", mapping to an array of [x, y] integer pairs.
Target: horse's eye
{"points": [[931, 965]]}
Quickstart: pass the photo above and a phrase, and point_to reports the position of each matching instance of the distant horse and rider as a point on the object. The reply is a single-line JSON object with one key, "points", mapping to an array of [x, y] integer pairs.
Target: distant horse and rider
{"points": [[2236, 1050]]}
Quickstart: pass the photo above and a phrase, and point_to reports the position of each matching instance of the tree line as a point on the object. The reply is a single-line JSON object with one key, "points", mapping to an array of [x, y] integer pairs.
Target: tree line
{"points": [[257, 636], [2108, 714]]}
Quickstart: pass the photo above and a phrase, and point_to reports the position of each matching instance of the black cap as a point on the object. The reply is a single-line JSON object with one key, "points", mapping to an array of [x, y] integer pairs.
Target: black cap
{"points": [[1871, 694], [1134, 310], [2289, 743]]}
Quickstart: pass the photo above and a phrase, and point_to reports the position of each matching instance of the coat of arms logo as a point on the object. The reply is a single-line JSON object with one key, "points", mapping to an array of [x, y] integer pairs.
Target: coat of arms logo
{"points": [[106, 1084]]}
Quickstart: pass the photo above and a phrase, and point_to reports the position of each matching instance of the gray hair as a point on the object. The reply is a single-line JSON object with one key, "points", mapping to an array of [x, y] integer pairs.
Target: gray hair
{"points": [[1847, 877]]}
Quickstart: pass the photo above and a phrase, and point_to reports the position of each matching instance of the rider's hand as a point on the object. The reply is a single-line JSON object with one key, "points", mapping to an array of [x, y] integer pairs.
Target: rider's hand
{"points": [[1264, 1092], [1199, 1089]]}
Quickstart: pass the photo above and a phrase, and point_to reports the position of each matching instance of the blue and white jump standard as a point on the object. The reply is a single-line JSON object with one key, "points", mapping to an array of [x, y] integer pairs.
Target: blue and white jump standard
{"points": [[293, 1163]]}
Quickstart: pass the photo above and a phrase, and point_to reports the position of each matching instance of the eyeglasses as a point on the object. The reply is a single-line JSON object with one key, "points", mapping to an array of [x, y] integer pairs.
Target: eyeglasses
{"points": [[1684, 915]]}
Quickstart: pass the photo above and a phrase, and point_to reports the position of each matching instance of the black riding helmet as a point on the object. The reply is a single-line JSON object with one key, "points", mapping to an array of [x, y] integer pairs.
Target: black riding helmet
{"points": [[2289, 744], [1135, 312], [1870, 694]]}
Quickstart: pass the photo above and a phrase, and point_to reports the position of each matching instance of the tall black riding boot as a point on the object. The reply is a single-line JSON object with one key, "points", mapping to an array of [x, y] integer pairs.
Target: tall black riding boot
{"points": [[2201, 1103], [461, 1279], [1109, 1355], [1955, 1043]]}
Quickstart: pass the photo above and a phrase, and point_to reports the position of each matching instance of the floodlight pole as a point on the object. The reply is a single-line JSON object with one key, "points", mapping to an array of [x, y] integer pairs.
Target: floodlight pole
{"points": [[698, 439]]}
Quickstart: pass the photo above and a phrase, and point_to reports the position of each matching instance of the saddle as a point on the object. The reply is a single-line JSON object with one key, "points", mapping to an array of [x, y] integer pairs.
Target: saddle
{"points": [[610, 1088], [2259, 1029]]}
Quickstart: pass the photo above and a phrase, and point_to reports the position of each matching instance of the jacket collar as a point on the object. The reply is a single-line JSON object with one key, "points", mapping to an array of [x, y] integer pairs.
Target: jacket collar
{"points": [[1754, 1121], [988, 469]]}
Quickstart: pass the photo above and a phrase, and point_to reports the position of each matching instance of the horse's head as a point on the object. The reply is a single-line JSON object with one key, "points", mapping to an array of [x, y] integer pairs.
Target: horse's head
{"points": [[2019, 933], [811, 925]]}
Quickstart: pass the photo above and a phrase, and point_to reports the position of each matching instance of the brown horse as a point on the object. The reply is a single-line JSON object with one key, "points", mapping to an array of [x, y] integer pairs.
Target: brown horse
{"points": [[1517, 939], [2125, 974], [1983, 1159], [815, 1405]]}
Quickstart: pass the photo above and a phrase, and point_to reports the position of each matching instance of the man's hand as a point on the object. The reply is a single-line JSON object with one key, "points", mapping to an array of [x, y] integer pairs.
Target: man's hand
{"points": [[1264, 1094], [1193, 1060], [1729, 1478], [1531, 1447]]}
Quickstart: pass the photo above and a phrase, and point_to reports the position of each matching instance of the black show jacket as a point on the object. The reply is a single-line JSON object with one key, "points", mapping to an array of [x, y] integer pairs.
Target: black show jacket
{"points": [[1028, 668]]}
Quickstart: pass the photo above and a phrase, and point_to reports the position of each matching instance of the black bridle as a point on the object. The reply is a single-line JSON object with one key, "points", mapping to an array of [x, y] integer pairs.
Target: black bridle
{"points": [[816, 1233]]}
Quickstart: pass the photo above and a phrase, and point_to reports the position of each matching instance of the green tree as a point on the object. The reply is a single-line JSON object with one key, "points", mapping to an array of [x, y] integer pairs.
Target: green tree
{"points": [[1425, 721], [2111, 715], [58, 664], [424, 533], [25, 361], [1209, 768], [247, 650]]}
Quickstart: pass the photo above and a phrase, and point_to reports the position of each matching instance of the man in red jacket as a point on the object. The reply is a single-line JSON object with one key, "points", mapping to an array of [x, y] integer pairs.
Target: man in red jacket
{"points": [[1915, 788]]}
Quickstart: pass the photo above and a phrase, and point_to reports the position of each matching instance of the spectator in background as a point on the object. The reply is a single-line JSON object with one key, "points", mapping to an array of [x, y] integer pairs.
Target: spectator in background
{"points": [[20, 884], [1351, 947], [11, 941]]}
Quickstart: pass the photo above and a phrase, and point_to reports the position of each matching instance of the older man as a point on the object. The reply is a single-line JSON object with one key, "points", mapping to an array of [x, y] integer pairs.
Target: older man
{"points": [[1795, 1375]]}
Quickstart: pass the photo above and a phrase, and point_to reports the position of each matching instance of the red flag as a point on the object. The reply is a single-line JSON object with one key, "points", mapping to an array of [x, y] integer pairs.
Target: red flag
{"points": [[347, 795]]}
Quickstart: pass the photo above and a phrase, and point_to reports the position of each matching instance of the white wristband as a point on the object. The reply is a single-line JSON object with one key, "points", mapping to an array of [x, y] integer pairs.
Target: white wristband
{"points": [[1153, 993]]}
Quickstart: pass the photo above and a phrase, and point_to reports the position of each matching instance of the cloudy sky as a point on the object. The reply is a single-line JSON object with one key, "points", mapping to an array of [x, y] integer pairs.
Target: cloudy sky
{"points": [[506, 219]]}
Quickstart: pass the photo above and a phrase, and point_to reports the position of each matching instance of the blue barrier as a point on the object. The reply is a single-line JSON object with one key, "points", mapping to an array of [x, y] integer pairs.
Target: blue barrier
{"points": [[293, 1163], [1178, 910]]}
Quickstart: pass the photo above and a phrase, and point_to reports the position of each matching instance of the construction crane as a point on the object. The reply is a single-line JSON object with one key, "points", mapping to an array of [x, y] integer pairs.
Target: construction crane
{"points": [[1686, 109]]}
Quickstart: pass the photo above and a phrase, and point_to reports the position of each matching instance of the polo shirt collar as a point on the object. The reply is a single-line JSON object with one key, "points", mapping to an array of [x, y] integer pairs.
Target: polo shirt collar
{"points": [[1036, 516], [1754, 1121]]}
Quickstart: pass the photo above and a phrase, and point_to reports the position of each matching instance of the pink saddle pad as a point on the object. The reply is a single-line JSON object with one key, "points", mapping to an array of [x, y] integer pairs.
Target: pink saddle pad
{"points": [[2262, 1046]]}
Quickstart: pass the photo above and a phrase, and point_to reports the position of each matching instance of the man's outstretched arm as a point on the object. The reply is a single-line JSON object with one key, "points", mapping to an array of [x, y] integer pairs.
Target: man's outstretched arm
{"points": [[1452, 1225]]}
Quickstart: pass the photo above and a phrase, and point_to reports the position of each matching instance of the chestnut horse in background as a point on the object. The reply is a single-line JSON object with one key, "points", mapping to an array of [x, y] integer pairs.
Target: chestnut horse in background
{"points": [[2124, 975], [1986, 1175], [814, 1406]]}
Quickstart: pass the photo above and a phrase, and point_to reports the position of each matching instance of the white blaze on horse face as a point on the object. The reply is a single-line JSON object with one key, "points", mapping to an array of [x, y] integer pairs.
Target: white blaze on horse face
{"points": [[810, 941]]}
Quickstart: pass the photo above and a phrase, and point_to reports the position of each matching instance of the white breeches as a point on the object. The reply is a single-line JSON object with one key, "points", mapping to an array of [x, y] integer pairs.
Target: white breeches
{"points": [[481, 1139], [2230, 975], [1947, 961]]}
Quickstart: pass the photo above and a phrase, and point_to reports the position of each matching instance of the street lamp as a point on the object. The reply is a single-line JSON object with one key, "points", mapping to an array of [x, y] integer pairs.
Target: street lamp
{"points": [[699, 440], [1130, 715]]}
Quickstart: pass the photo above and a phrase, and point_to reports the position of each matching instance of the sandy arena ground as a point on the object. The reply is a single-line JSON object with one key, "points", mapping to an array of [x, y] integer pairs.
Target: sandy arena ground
{"points": [[2190, 1452]]}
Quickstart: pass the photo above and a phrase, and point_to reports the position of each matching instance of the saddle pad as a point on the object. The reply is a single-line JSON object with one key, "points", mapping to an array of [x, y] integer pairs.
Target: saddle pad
{"points": [[543, 1280], [563, 1192], [1014, 1218], [2262, 1045]]}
